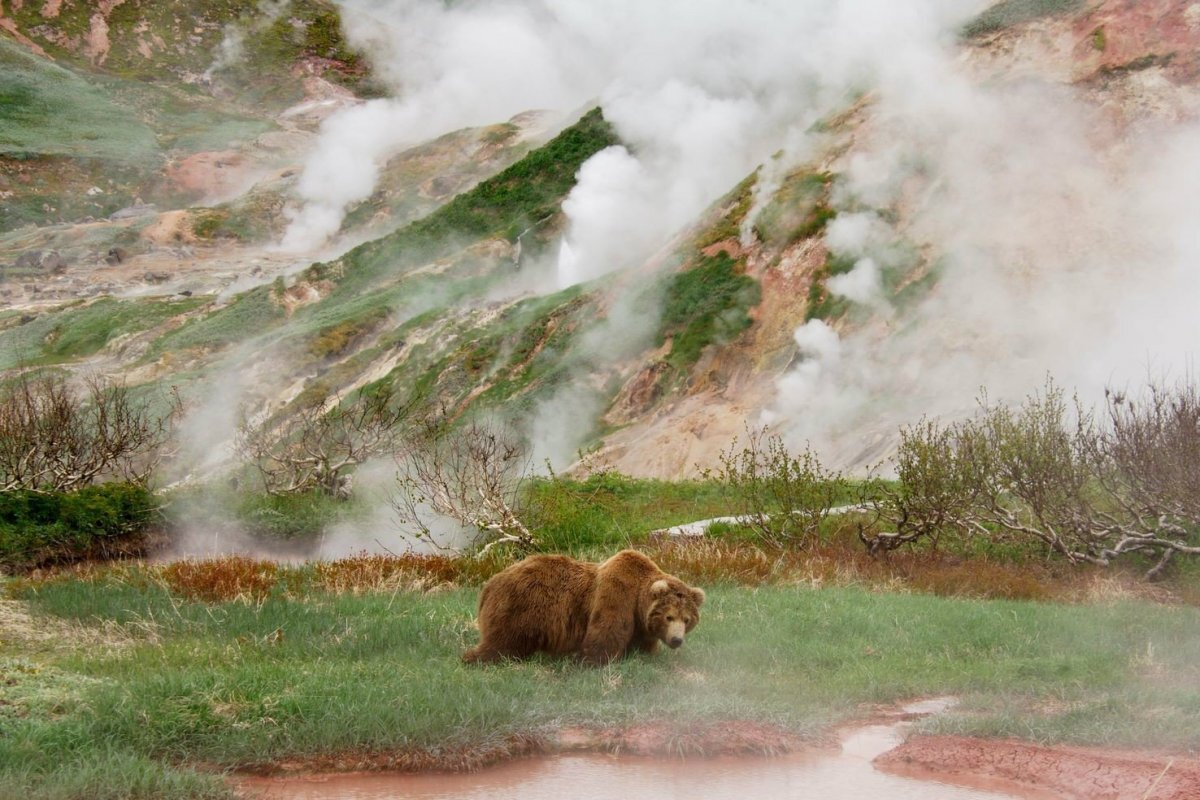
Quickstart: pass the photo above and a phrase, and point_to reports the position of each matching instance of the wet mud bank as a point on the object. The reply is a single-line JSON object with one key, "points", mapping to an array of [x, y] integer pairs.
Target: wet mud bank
{"points": [[735, 760], [740, 760], [1054, 773]]}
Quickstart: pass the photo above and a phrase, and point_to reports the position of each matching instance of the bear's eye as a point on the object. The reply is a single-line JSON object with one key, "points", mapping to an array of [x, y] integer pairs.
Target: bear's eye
{"points": [[670, 618]]}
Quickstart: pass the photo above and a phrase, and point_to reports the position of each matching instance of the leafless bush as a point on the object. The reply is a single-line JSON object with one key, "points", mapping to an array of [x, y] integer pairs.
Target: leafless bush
{"points": [[472, 474], [785, 495], [317, 447], [58, 437], [1151, 447], [1090, 492]]}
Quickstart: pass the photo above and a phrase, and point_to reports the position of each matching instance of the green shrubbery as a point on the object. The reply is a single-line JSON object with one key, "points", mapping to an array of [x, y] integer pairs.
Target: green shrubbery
{"points": [[95, 521]]}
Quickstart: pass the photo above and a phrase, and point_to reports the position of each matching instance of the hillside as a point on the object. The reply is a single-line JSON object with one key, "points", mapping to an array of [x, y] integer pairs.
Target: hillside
{"points": [[149, 159]]}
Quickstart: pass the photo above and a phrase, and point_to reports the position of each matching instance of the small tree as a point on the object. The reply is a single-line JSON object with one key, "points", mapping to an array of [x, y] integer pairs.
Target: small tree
{"points": [[473, 474], [786, 495], [58, 437], [317, 447]]}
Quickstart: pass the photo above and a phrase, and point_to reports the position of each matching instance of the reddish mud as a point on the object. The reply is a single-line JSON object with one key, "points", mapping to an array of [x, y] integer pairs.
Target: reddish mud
{"points": [[814, 774], [1054, 773], [598, 777]]}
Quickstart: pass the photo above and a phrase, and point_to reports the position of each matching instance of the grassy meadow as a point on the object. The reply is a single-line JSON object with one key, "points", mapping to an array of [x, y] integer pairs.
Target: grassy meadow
{"points": [[153, 680]]}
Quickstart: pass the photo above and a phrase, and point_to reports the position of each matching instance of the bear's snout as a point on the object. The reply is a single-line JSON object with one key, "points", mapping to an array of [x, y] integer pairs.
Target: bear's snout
{"points": [[674, 634]]}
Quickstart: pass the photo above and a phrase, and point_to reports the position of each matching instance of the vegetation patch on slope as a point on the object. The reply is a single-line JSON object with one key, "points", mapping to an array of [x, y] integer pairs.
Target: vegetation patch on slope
{"points": [[706, 304], [1009, 13], [83, 329], [501, 206], [49, 110]]}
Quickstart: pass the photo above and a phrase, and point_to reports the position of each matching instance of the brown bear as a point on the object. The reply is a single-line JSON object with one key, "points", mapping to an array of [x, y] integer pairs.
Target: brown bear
{"points": [[561, 606]]}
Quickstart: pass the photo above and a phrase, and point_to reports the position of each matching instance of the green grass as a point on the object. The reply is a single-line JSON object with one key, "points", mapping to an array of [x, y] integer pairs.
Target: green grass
{"points": [[252, 313], [84, 329], [50, 110], [609, 510], [297, 675], [1009, 13]]}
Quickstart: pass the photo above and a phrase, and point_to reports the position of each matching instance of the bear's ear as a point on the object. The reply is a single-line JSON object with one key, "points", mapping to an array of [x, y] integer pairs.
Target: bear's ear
{"points": [[659, 587], [698, 596]]}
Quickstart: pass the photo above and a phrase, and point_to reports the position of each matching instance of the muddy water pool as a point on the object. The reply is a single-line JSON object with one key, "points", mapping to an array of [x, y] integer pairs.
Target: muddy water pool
{"points": [[847, 775]]}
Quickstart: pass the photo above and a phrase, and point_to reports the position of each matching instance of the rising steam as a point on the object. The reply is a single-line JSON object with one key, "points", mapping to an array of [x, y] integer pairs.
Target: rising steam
{"points": [[1063, 240]]}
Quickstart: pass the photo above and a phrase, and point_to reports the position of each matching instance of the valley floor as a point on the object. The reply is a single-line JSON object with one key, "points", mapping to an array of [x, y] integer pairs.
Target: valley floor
{"points": [[122, 682]]}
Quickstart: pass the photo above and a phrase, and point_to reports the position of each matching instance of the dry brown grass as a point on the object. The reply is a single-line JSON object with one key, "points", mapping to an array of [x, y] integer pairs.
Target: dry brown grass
{"points": [[699, 561], [221, 579], [709, 561], [368, 573]]}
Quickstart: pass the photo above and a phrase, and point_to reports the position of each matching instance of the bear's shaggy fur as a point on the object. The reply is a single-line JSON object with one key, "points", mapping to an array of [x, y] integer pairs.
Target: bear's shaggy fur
{"points": [[561, 606]]}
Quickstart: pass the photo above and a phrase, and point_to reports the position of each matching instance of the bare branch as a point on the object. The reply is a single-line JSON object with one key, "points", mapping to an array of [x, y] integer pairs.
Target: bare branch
{"points": [[472, 474]]}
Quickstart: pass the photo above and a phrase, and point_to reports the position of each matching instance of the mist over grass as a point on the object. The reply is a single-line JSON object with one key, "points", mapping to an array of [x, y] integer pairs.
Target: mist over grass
{"points": [[304, 672]]}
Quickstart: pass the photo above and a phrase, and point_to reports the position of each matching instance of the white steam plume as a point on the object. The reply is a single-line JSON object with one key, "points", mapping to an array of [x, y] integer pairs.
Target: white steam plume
{"points": [[1064, 240], [703, 90]]}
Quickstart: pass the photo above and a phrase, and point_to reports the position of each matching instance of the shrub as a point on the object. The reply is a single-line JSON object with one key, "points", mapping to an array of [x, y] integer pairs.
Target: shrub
{"points": [[38, 528], [54, 437], [786, 495], [316, 448], [475, 475], [1089, 492]]}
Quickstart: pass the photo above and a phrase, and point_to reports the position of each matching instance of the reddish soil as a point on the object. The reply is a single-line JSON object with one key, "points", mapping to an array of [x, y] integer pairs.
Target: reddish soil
{"points": [[214, 174], [1025, 770], [1049, 773], [1137, 29]]}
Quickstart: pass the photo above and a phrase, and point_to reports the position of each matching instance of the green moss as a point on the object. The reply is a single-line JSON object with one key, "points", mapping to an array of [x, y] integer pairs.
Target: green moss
{"points": [[335, 340], [823, 304], [799, 210], [728, 225], [1137, 65], [1100, 39]]}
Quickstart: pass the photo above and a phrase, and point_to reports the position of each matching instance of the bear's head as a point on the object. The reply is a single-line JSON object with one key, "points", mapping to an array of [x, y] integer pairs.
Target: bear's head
{"points": [[674, 610]]}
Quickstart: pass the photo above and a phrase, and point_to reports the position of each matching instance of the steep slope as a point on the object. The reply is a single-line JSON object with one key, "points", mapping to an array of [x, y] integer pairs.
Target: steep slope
{"points": [[806, 291]]}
